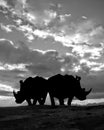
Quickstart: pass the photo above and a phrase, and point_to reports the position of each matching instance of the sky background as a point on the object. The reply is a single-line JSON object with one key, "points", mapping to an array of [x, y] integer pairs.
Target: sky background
{"points": [[47, 37]]}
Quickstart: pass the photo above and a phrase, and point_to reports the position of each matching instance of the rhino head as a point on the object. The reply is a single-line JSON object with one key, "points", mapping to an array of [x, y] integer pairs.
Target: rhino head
{"points": [[81, 93], [19, 97]]}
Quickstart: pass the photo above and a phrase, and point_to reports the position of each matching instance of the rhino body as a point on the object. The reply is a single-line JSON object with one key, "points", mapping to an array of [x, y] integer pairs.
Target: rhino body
{"points": [[58, 86], [32, 88], [66, 86]]}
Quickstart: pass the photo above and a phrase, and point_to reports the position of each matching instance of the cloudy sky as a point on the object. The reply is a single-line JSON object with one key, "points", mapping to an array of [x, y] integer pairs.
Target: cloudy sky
{"points": [[47, 37]]}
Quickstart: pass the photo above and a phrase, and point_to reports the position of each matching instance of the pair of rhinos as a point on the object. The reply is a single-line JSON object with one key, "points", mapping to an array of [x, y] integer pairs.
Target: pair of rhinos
{"points": [[58, 86]]}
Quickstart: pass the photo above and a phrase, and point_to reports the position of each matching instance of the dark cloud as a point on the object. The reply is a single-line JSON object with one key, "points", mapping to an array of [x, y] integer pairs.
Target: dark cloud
{"points": [[85, 68], [47, 69], [70, 59], [36, 62], [11, 2], [39, 69], [22, 54], [9, 76]]}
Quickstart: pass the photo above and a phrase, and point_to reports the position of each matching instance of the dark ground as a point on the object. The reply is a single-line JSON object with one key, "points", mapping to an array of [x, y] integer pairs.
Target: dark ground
{"points": [[47, 118]]}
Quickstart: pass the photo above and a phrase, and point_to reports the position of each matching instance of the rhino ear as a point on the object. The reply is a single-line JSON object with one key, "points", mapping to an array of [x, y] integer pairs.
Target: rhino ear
{"points": [[21, 84], [78, 78], [21, 81]]}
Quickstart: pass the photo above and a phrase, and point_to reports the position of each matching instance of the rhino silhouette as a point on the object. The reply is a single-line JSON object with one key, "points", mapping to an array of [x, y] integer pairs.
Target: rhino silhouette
{"points": [[66, 86], [58, 86], [32, 88]]}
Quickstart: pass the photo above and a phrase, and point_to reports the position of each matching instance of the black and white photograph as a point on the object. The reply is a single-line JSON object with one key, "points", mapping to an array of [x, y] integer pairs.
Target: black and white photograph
{"points": [[51, 64]]}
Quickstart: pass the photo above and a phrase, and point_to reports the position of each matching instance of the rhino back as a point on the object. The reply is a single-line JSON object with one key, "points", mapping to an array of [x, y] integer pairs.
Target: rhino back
{"points": [[62, 86], [34, 87]]}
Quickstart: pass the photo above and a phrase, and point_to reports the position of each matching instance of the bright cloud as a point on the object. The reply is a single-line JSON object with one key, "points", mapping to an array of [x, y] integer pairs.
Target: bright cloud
{"points": [[22, 60], [88, 102], [3, 3], [6, 40], [4, 87], [5, 67], [6, 28]]}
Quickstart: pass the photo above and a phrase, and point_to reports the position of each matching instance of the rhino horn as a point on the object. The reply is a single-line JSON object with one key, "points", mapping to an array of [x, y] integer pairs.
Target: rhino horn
{"points": [[14, 93], [87, 92]]}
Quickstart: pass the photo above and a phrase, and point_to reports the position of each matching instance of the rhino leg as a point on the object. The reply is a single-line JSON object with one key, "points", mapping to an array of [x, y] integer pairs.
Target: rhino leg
{"points": [[69, 101], [52, 100], [34, 101], [29, 102], [42, 100], [61, 101]]}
